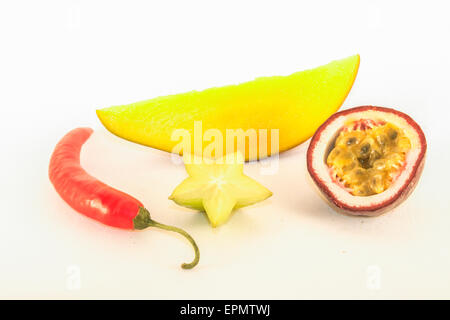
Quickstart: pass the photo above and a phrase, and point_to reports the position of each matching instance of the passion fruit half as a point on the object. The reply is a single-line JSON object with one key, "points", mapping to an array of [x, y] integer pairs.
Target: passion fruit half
{"points": [[367, 160]]}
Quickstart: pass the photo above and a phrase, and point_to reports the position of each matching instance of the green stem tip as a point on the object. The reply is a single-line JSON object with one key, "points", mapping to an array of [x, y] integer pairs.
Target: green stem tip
{"points": [[143, 220]]}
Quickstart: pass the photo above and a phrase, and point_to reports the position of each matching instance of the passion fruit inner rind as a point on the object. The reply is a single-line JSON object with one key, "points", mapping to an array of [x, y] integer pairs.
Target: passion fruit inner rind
{"points": [[366, 160]]}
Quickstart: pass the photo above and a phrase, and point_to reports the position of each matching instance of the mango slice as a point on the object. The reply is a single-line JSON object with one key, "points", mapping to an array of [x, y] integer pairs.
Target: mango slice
{"points": [[218, 187], [294, 105]]}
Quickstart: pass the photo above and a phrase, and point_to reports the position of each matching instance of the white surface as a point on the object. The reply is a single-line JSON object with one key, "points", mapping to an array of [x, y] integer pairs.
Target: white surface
{"points": [[60, 60]]}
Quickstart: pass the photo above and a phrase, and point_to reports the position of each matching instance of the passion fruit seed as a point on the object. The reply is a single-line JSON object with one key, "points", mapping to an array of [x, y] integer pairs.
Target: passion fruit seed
{"points": [[379, 164], [392, 134], [376, 182], [366, 159], [381, 139], [404, 144], [349, 138], [364, 151]]}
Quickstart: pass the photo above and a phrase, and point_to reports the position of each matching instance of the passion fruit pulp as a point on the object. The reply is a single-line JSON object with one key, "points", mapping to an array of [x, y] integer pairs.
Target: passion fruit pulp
{"points": [[367, 156], [367, 160]]}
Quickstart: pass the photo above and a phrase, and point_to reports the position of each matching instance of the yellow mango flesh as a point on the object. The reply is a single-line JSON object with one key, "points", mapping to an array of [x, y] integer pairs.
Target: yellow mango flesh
{"points": [[296, 105]]}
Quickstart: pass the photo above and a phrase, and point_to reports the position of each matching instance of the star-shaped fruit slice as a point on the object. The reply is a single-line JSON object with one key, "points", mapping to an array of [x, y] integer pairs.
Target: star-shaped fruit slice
{"points": [[217, 187]]}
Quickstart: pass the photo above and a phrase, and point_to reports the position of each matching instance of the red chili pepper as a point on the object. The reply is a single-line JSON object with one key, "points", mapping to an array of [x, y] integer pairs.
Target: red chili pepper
{"points": [[93, 198]]}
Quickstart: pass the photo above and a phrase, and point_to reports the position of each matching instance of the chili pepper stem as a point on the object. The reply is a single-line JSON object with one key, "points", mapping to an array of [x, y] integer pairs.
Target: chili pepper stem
{"points": [[143, 220]]}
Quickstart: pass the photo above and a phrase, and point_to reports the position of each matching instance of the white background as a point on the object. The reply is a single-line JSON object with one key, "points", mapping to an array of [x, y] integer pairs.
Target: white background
{"points": [[60, 60]]}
